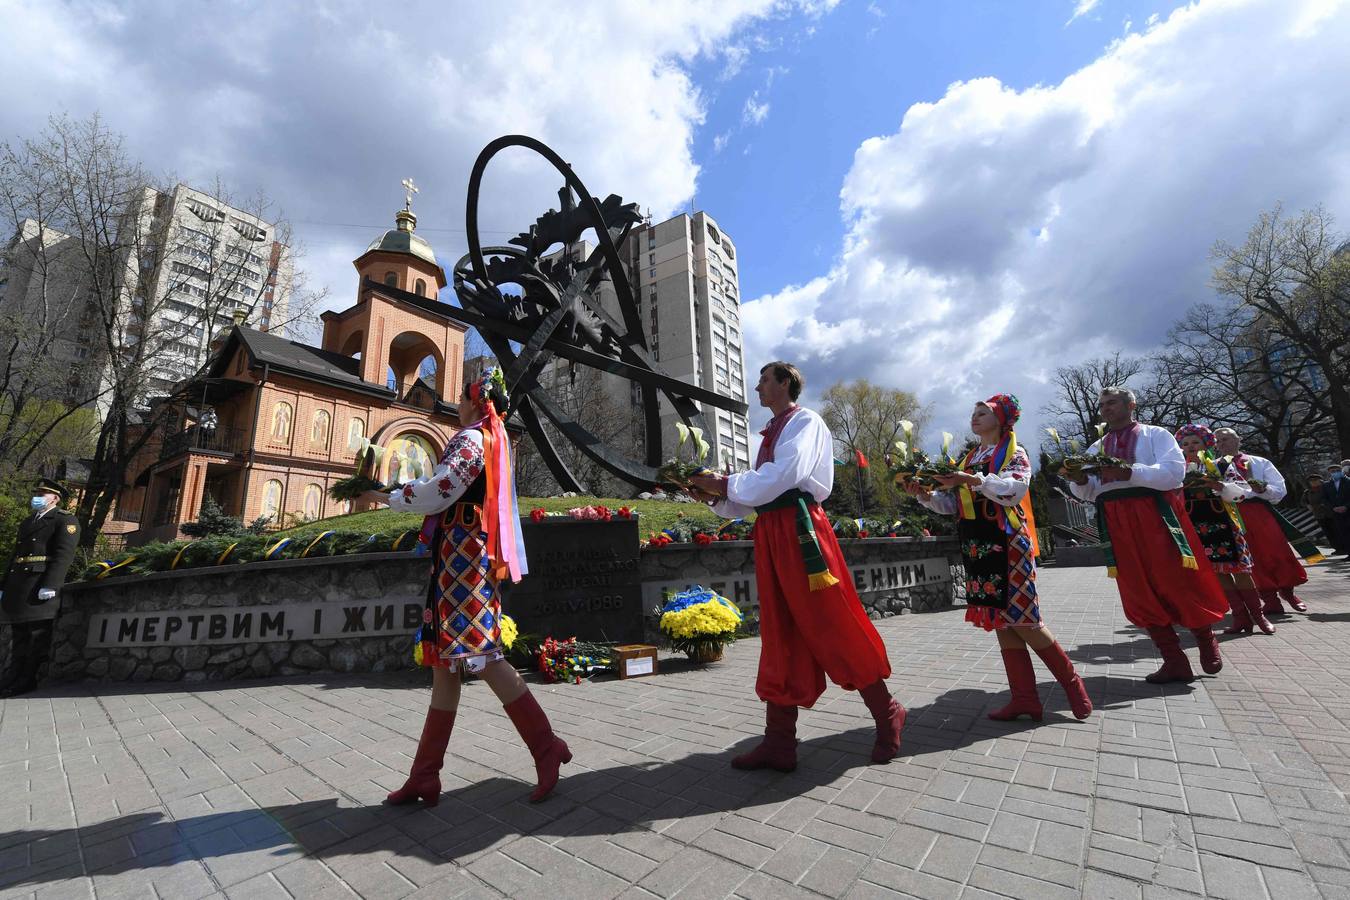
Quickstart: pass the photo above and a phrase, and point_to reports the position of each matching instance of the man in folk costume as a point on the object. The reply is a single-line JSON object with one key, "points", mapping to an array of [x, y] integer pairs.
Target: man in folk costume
{"points": [[30, 599], [991, 500], [1275, 567], [473, 529], [812, 623], [1212, 493], [1152, 549]]}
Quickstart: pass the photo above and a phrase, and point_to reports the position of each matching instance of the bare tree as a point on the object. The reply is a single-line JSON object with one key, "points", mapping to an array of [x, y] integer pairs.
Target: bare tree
{"points": [[1078, 388], [155, 289], [583, 395], [45, 378], [1293, 277], [1221, 367]]}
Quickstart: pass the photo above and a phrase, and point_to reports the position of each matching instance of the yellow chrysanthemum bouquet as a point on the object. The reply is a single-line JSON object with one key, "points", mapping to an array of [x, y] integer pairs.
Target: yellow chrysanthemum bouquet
{"points": [[699, 622]]}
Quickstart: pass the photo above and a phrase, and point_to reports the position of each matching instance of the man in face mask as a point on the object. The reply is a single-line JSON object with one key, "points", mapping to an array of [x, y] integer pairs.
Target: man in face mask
{"points": [[43, 551], [1336, 490]]}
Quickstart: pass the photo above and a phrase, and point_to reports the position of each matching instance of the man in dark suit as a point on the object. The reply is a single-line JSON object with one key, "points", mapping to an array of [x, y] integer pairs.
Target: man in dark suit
{"points": [[1336, 490], [43, 552]]}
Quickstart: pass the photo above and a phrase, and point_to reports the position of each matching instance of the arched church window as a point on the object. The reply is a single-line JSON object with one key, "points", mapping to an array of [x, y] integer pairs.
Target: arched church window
{"points": [[318, 435], [391, 279], [282, 414], [313, 505], [421, 289], [410, 456], [271, 500]]}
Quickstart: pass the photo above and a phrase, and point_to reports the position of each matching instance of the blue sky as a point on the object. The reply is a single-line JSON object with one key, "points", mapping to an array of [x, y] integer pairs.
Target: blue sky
{"points": [[775, 185], [952, 198]]}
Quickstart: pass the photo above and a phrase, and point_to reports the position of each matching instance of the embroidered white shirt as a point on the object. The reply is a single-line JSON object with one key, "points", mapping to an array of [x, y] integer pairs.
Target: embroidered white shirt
{"points": [[803, 458], [1006, 488], [1263, 469], [1158, 464], [460, 465]]}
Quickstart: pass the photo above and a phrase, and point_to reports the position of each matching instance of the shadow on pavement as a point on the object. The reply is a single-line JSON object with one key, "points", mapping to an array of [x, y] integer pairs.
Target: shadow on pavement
{"points": [[684, 795]]}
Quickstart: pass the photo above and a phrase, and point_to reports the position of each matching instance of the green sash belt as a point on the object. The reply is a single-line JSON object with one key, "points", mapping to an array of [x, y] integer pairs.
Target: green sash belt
{"points": [[1169, 517], [817, 573], [1303, 546]]}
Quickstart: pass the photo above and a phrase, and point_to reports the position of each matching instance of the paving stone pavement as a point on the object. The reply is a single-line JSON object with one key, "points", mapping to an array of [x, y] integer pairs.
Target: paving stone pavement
{"points": [[1231, 787]]}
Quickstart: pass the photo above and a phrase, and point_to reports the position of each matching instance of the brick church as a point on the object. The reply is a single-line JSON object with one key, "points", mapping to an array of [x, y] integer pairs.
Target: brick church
{"points": [[273, 423]]}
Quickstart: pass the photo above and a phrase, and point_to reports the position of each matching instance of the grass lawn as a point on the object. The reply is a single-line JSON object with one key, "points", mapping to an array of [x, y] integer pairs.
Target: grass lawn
{"points": [[653, 515]]}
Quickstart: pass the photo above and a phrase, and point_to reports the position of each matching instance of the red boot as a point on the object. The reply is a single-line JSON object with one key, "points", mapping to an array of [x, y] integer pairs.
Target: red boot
{"points": [[1270, 603], [1060, 666], [1288, 596], [424, 780], [890, 719], [1242, 619], [778, 750], [1253, 601], [1022, 685], [1210, 660], [1175, 665], [549, 750]]}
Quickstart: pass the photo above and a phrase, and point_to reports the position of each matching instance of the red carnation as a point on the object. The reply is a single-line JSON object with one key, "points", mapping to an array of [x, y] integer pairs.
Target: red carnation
{"points": [[537, 514], [864, 533], [625, 512]]}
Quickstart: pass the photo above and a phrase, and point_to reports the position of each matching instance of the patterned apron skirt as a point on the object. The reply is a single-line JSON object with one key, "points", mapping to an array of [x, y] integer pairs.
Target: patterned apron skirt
{"points": [[1225, 544], [1000, 572], [461, 625]]}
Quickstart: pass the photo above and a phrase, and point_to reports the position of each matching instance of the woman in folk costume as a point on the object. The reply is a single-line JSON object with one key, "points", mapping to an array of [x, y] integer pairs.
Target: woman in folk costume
{"points": [[473, 529], [1212, 496], [1276, 568], [998, 542]]}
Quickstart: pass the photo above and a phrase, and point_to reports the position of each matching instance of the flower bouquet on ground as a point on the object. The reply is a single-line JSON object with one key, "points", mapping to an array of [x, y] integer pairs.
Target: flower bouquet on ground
{"points": [[699, 623], [572, 660], [353, 486], [676, 472]]}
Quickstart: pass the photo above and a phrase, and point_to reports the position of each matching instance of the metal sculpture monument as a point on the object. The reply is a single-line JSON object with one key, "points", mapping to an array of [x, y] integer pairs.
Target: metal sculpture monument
{"points": [[558, 313]]}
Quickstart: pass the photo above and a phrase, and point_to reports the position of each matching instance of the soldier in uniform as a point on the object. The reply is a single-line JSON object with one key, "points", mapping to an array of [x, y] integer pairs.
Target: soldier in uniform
{"points": [[43, 552]]}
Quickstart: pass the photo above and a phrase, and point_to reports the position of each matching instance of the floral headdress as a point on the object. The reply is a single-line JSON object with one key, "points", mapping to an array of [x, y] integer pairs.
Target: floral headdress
{"points": [[480, 390], [1007, 409], [1200, 431]]}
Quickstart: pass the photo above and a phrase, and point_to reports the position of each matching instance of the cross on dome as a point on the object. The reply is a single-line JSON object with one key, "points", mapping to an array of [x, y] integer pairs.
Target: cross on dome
{"points": [[409, 189]]}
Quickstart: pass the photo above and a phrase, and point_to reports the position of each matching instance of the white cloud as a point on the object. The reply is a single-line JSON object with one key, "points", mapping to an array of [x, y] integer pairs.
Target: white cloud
{"points": [[755, 111], [999, 233], [1082, 8], [735, 57], [720, 141], [327, 106]]}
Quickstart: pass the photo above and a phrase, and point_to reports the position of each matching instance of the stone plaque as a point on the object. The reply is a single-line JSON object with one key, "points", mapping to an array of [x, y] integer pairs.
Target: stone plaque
{"points": [[253, 624], [584, 581], [875, 577]]}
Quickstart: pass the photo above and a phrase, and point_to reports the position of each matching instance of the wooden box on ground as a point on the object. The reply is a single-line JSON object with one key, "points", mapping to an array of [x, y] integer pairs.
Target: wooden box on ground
{"points": [[635, 660]]}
